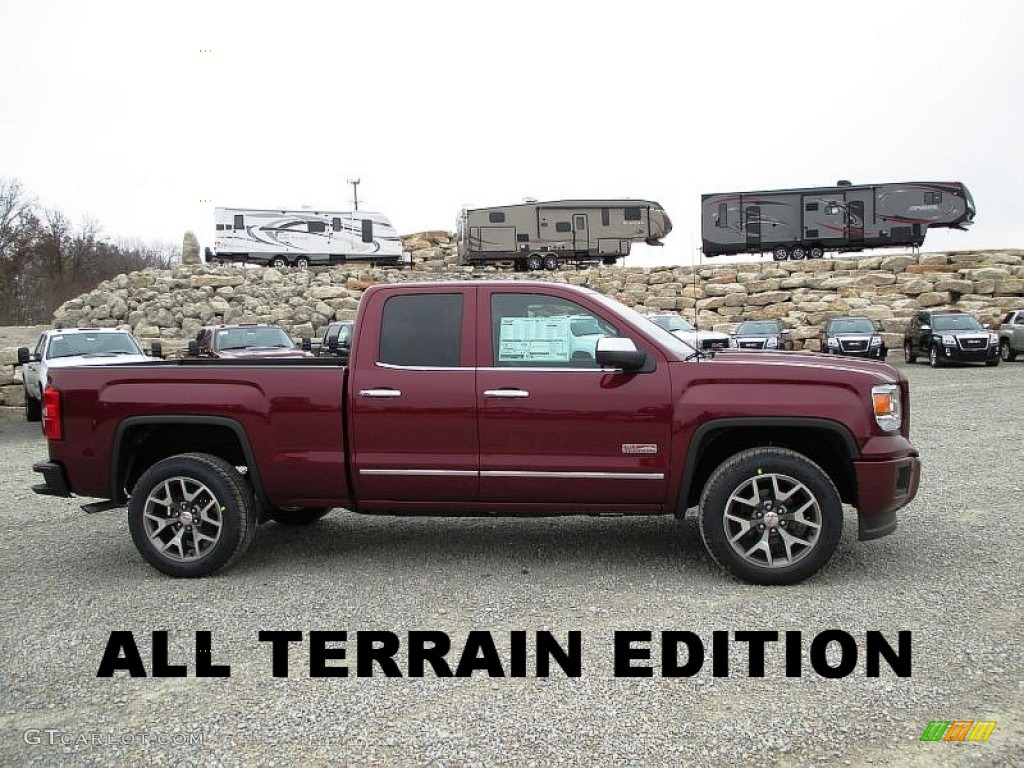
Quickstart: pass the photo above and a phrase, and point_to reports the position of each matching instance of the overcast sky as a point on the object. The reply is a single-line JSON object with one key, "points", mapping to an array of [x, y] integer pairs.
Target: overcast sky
{"points": [[145, 118]]}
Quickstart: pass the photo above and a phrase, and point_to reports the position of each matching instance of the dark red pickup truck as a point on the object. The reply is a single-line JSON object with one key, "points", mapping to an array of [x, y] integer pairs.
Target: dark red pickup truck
{"points": [[504, 397]]}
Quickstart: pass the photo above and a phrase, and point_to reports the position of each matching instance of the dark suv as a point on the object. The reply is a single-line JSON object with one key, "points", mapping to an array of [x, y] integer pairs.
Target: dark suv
{"points": [[854, 336], [945, 336], [761, 334]]}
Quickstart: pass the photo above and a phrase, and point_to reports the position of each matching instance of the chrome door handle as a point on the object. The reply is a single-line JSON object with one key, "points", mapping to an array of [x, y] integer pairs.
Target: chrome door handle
{"points": [[380, 393], [506, 393]]}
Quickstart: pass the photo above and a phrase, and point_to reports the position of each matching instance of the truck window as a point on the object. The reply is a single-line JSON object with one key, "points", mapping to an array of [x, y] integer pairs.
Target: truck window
{"points": [[317, 227], [536, 331], [562, 226], [496, 217], [422, 330], [367, 230], [239, 221], [336, 224], [631, 214]]}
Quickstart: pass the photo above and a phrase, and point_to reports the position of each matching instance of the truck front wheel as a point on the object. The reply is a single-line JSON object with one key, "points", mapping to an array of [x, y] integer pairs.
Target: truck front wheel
{"points": [[770, 516], [191, 514]]}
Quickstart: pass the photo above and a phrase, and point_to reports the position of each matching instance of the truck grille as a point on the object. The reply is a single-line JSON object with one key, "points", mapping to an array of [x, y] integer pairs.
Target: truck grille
{"points": [[751, 345]]}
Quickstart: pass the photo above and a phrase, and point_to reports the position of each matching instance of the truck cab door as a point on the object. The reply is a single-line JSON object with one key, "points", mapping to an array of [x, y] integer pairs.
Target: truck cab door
{"points": [[554, 427], [412, 399]]}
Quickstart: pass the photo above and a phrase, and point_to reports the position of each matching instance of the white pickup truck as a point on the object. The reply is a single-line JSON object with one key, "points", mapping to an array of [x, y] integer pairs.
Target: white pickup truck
{"points": [[1011, 335], [65, 347]]}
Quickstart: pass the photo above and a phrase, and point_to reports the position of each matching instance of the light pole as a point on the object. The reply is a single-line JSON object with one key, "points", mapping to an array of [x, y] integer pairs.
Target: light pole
{"points": [[355, 193]]}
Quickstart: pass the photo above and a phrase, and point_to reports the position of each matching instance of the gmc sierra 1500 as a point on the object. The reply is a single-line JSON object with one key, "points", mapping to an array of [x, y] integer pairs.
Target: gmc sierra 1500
{"points": [[484, 398]]}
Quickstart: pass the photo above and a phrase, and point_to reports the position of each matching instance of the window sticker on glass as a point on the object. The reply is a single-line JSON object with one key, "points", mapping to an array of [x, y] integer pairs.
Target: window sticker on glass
{"points": [[534, 339]]}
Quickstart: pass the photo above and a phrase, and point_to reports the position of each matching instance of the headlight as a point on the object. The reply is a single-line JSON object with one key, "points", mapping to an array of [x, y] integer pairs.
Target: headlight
{"points": [[876, 341], [993, 340], [733, 343], [833, 342], [885, 400], [948, 339], [772, 342]]}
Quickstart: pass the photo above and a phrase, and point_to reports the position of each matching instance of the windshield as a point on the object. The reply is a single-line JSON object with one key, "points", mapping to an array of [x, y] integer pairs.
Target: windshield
{"points": [[757, 328], [71, 344], [851, 325], [252, 338], [955, 323], [671, 322]]}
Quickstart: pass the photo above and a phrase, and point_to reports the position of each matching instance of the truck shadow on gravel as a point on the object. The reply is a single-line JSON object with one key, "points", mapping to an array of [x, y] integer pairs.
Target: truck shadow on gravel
{"points": [[578, 542]]}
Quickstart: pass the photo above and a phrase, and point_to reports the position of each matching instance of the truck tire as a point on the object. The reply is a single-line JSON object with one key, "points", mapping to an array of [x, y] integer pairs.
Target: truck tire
{"points": [[781, 253], [302, 262], [798, 253], [1008, 353], [908, 353], [770, 516], [280, 262], [533, 262], [816, 252], [551, 262], [191, 514], [33, 408], [933, 357], [296, 516]]}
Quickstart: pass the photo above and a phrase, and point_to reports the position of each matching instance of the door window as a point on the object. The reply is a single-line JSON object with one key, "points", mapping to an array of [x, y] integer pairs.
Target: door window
{"points": [[422, 330], [533, 330]]}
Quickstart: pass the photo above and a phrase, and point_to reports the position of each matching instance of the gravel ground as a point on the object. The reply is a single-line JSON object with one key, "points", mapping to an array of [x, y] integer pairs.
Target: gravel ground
{"points": [[950, 574]]}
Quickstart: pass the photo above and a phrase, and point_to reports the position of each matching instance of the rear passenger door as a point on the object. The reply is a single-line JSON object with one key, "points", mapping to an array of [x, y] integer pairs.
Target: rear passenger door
{"points": [[413, 400]]}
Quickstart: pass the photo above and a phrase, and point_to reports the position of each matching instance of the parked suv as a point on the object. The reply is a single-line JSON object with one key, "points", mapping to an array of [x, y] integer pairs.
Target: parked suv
{"points": [[64, 347], [246, 340], [680, 328], [945, 336], [855, 336], [761, 334], [1011, 335]]}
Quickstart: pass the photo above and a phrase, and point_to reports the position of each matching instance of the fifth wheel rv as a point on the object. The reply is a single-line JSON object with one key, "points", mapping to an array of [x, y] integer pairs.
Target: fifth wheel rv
{"points": [[805, 223], [303, 238], [545, 235]]}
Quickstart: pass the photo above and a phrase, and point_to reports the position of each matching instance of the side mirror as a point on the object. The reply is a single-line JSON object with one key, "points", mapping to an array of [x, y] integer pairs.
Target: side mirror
{"points": [[24, 355], [307, 344], [193, 348], [617, 352], [157, 350], [926, 329]]}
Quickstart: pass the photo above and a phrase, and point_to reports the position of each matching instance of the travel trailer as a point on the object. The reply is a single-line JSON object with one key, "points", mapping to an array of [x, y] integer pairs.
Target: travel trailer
{"points": [[304, 238], [537, 235], [805, 223]]}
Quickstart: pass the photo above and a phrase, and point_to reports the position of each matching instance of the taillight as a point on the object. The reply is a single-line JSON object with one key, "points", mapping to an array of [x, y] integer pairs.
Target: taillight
{"points": [[53, 429]]}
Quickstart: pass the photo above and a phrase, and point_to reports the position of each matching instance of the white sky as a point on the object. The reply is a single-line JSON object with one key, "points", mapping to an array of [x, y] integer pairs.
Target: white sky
{"points": [[114, 110]]}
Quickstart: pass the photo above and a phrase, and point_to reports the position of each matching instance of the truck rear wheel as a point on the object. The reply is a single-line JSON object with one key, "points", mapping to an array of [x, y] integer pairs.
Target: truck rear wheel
{"points": [[798, 253], [781, 253], [770, 516], [302, 262], [33, 408], [533, 262], [191, 514], [280, 262], [551, 262]]}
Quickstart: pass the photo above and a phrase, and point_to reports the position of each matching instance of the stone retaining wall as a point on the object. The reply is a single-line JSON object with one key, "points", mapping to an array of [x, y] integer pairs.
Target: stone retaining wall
{"points": [[170, 305]]}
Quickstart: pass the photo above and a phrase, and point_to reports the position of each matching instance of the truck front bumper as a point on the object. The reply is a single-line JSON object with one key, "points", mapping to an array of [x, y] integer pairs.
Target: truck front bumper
{"points": [[55, 482], [882, 488]]}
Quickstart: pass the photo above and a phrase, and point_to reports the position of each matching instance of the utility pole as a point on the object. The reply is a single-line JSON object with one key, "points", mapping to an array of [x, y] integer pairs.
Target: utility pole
{"points": [[355, 193]]}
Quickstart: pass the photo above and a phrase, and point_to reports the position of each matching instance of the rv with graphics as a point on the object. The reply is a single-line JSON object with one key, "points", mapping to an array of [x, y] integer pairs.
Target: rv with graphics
{"points": [[537, 235], [805, 223], [303, 238]]}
